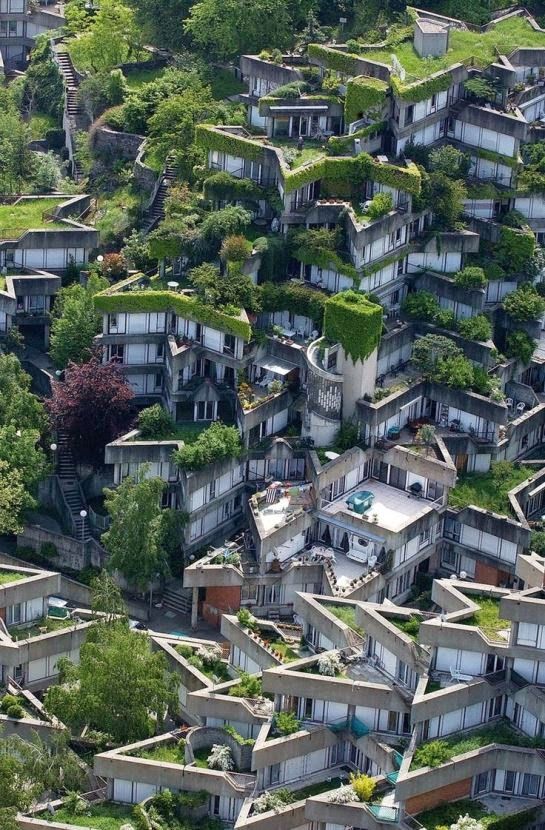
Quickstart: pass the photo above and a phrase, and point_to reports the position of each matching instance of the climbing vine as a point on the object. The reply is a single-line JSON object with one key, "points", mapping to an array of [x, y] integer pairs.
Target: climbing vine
{"points": [[353, 321]]}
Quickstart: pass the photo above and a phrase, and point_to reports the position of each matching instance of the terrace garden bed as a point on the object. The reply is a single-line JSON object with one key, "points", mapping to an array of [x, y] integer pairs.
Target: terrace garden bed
{"points": [[45, 625], [11, 576], [488, 619], [441, 750], [489, 490], [410, 626], [448, 814], [206, 660], [29, 213], [105, 816], [347, 615], [170, 753]]}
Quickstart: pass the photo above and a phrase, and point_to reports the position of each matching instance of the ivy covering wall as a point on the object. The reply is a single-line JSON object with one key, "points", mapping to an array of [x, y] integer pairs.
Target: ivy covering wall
{"points": [[412, 93], [496, 158], [225, 186], [363, 94], [344, 62], [354, 322], [210, 138], [341, 145], [290, 296], [326, 259], [354, 169], [188, 307]]}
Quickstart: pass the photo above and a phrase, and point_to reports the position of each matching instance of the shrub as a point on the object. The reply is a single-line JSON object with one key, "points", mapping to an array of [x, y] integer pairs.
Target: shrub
{"points": [[466, 822], [343, 795], [209, 654], [537, 542], [49, 550], [445, 318], [154, 422], [8, 701], [15, 711], [221, 758], [524, 304], [432, 754], [286, 723], [329, 664], [274, 800], [381, 204], [363, 786], [246, 619], [235, 248], [214, 444], [476, 328], [471, 277], [429, 350], [449, 160], [456, 372], [248, 686], [114, 266], [520, 345], [421, 305]]}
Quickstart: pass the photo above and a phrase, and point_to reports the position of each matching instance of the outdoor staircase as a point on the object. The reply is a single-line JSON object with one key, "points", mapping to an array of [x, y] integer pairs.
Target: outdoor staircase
{"points": [[66, 471], [155, 211], [74, 117], [177, 599]]}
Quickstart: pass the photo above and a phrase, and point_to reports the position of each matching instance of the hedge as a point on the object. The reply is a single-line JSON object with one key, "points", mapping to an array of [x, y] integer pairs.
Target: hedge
{"points": [[354, 322], [354, 169], [225, 186], [294, 179], [294, 297], [421, 90], [402, 178], [211, 138], [344, 62], [362, 95], [188, 307], [515, 248]]}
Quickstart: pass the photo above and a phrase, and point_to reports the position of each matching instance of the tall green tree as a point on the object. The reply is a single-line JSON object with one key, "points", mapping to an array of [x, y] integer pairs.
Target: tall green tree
{"points": [[75, 322], [119, 687], [133, 539], [106, 597], [111, 39], [226, 29]]}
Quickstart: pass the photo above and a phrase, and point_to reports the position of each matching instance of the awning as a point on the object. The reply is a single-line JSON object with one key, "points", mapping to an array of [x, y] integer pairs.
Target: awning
{"points": [[311, 108], [275, 365]]}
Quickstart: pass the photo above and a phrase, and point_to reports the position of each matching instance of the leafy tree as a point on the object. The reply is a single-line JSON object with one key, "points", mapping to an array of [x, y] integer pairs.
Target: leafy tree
{"points": [[426, 435], [93, 405], [363, 785], [229, 28], [106, 597], [154, 422], [481, 89], [14, 499], [46, 174], [162, 22], [18, 406], [524, 304], [520, 345], [235, 249], [450, 161], [231, 220], [111, 39], [286, 723], [476, 328], [421, 305], [136, 251], [16, 160], [133, 539], [75, 322], [119, 686], [428, 351], [446, 200], [537, 542], [456, 372], [43, 87], [214, 444], [102, 90], [21, 451]]}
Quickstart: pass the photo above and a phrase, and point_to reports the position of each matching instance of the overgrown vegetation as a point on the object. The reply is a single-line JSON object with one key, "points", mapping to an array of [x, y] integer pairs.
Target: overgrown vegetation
{"points": [[489, 490]]}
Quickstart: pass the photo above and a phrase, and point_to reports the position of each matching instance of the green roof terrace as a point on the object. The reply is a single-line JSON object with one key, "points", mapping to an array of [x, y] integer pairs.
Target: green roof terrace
{"points": [[30, 214]]}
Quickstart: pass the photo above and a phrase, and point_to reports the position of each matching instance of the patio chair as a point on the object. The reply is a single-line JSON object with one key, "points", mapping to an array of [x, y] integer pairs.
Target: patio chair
{"points": [[521, 406]]}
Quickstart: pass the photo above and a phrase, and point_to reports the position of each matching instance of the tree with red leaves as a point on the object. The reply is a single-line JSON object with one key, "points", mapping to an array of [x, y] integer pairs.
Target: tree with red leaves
{"points": [[93, 406]]}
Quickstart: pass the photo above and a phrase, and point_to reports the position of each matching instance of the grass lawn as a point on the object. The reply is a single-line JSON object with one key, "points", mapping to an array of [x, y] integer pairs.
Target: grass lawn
{"points": [[11, 576], [319, 788], [113, 215], [28, 214], [48, 623], [223, 84], [505, 37], [40, 123], [312, 150], [488, 619], [410, 627], [347, 615], [138, 77], [488, 490], [439, 751], [163, 752], [106, 816], [288, 654]]}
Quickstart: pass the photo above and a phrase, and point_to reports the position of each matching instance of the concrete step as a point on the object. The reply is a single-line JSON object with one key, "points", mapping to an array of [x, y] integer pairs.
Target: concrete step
{"points": [[178, 601]]}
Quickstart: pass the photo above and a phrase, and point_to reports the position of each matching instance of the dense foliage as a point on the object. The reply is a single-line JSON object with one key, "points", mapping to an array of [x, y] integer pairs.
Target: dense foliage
{"points": [[217, 443]]}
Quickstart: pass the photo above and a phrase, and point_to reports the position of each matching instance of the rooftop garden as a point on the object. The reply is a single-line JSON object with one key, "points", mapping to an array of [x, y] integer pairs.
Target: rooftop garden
{"points": [[156, 424], [347, 615], [487, 618], [45, 625], [410, 626], [482, 47], [216, 443], [439, 751], [294, 157], [489, 490], [207, 659], [104, 816], [448, 813], [11, 576], [170, 753], [29, 213]]}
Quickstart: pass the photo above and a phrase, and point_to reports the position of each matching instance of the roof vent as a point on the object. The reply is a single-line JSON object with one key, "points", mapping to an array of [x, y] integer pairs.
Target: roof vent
{"points": [[430, 38]]}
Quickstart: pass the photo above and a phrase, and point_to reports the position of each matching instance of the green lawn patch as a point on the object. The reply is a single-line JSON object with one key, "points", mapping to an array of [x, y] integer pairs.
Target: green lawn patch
{"points": [[11, 576], [170, 753], [319, 788], [284, 649], [489, 490], [439, 751], [28, 213], [487, 618], [40, 123], [410, 627], [463, 45], [347, 615], [224, 84], [312, 150], [106, 816], [137, 78]]}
